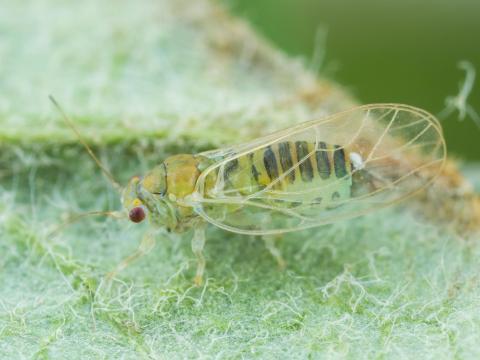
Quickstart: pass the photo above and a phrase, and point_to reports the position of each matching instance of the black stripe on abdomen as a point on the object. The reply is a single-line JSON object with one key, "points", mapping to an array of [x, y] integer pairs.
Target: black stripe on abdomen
{"points": [[270, 162], [230, 168], [286, 160], [339, 162], [323, 162], [254, 170], [306, 169]]}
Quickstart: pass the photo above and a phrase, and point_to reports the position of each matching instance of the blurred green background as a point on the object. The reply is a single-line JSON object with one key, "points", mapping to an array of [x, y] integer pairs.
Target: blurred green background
{"points": [[384, 51]]}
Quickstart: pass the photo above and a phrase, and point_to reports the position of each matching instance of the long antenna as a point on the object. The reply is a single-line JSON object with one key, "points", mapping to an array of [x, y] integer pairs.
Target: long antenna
{"points": [[70, 123], [77, 217]]}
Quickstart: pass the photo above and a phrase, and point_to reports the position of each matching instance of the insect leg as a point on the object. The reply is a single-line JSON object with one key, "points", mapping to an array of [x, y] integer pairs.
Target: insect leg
{"points": [[277, 255], [269, 241], [198, 243], [146, 245]]}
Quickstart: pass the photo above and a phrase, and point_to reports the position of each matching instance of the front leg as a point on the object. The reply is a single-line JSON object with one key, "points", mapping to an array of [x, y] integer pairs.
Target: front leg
{"points": [[198, 243], [146, 245]]}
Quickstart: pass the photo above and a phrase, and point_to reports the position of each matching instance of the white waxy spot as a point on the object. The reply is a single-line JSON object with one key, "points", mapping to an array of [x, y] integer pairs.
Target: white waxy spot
{"points": [[357, 161]]}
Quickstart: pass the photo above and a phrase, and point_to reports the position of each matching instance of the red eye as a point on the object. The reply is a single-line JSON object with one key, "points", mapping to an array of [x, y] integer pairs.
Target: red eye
{"points": [[137, 214]]}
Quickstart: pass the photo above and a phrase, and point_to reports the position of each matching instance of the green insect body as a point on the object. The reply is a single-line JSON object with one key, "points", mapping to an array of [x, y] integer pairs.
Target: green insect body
{"points": [[162, 192], [311, 174]]}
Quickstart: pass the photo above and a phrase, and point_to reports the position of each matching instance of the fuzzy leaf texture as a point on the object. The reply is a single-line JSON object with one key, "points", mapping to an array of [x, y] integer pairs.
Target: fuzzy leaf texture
{"points": [[144, 80]]}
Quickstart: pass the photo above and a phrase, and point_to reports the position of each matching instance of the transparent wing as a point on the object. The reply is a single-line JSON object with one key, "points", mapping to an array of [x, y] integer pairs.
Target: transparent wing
{"points": [[392, 151]]}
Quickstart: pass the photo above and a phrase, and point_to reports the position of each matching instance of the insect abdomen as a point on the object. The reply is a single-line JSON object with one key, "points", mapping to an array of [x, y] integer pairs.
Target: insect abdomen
{"points": [[300, 164], [289, 165]]}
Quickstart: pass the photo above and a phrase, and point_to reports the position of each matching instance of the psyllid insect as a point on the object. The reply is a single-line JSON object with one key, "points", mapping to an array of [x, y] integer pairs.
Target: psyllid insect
{"points": [[311, 174]]}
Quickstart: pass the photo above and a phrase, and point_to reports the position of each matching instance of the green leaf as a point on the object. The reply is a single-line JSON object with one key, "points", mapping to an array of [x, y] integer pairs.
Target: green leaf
{"points": [[146, 80]]}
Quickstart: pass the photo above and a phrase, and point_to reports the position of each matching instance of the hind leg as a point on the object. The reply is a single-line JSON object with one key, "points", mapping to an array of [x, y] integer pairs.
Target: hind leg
{"points": [[269, 241], [198, 243]]}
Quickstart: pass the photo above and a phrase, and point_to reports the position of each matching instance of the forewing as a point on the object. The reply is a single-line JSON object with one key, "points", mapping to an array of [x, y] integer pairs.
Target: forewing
{"points": [[402, 149]]}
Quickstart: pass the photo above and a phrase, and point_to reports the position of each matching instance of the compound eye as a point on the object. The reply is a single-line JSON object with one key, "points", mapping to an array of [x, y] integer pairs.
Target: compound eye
{"points": [[137, 214]]}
